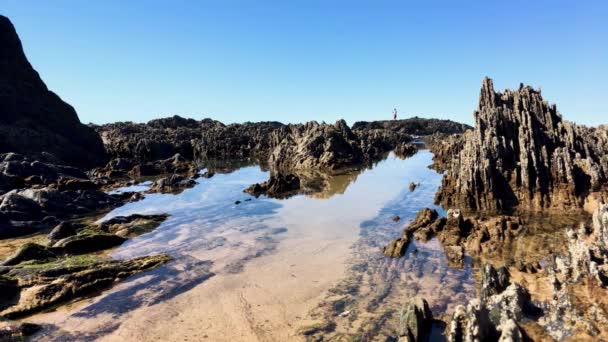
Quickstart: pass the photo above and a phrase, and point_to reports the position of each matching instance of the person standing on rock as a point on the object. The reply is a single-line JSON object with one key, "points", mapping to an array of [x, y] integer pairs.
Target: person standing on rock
{"points": [[394, 113]]}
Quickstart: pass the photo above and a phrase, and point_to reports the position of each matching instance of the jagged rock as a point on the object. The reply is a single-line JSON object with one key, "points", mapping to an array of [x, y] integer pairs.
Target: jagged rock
{"points": [[413, 186], [158, 139], [415, 322], [315, 146], [404, 150], [15, 206], [397, 247], [278, 185], [444, 148], [495, 316], [34, 119], [424, 218], [425, 233], [172, 183], [247, 140], [521, 154], [413, 126], [83, 243], [493, 281], [8, 291], [198, 140]]}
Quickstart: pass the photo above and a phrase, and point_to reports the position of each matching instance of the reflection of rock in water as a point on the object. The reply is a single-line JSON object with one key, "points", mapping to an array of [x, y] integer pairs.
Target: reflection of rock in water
{"points": [[377, 287], [144, 290]]}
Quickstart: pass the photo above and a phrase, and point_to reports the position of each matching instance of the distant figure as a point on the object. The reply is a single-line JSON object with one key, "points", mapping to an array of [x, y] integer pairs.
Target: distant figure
{"points": [[394, 113]]}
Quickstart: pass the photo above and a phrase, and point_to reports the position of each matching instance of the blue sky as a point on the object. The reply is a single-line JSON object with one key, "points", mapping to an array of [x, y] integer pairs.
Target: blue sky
{"points": [[295, 61]]}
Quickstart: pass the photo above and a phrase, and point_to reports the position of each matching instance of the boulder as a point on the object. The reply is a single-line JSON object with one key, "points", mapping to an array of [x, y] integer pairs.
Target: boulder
{"points": [[30, 252]]}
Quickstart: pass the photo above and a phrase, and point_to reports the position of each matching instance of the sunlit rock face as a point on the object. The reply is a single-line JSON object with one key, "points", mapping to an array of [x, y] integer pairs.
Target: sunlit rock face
{"points": [[315, 146], [33, 119], [522, 154]]}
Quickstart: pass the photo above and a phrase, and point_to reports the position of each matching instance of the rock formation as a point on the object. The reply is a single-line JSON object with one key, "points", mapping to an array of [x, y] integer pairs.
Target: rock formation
{"points": [[521, 154], [199, 140], [314, 146], [33, 119], [413, 126], [155, 140]]}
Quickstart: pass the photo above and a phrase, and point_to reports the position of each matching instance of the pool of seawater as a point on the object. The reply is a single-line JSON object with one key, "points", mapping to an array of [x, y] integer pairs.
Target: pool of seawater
{"points": [[256, 270]]}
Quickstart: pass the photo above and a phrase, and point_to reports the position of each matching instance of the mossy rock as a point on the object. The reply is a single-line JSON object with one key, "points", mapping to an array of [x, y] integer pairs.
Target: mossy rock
{"points": [[88, 242], [30, 252]]}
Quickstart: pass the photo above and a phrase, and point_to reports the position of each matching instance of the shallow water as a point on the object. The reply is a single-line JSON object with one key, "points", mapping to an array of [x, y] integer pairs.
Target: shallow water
{"points": [[260, 269]]}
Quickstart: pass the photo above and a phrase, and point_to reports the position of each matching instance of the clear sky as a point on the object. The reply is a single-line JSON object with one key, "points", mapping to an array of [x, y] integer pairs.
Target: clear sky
{"points": [[295, 61]]}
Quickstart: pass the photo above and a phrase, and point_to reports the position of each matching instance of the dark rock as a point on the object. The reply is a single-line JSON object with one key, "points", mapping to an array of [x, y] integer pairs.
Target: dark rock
{"points": [[62, 231], [15, 206], [493, 281], [413, 186], [30, 251], [17, 331], [247, 140], [35, 120], [279, 185], [396, 218], [88, 242], [413, 126]]}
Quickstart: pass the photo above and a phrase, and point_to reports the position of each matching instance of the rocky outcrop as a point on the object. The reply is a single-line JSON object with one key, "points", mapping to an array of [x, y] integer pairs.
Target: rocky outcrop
{"points": [[247, 140], [35, 120], [314, 146], [155, 140], [198, 140], [521, 154], [277, 186], [496, 317], [122, 168], [19, 171], [398, 247], [41, 285], [413, 126]]}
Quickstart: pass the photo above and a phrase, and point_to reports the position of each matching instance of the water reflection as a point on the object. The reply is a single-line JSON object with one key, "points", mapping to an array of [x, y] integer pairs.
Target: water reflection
{"points": [[211, 237]]}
